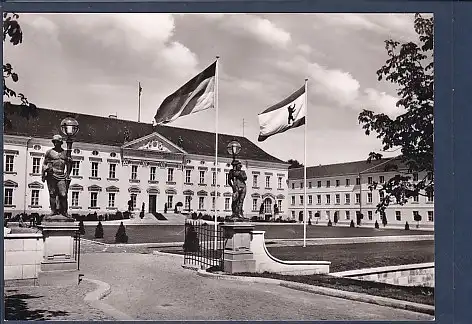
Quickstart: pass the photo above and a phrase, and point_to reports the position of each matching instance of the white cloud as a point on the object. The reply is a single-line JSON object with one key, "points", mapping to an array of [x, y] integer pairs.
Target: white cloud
{"points": [[179, 56], [304, 48], [381, 102]]}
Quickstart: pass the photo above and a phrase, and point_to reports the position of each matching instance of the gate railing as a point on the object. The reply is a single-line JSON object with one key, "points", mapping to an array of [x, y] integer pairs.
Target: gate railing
{"points": [[203, 245], [77, 249]]}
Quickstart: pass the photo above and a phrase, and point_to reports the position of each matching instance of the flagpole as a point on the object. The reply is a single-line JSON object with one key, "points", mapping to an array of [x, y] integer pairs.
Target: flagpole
{"points": [[139, 101], [304, 164], [216, 150]]}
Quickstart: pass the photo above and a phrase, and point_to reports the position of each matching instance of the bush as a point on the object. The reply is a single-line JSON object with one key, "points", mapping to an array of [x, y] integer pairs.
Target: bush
{"points": [[99, 230], [407, 226], [384, 219], [194, 215], [165, 208], [120, 215], [336, 218], [376, 224], [329, 223], [126, 214], [417, 219], [191, 243], [352, 223], [82, 228], [309, 221], [120, 236]]}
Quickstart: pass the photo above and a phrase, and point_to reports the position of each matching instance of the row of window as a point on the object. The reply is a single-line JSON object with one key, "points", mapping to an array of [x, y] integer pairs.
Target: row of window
{"points": [[370, 213], [347, 198]]}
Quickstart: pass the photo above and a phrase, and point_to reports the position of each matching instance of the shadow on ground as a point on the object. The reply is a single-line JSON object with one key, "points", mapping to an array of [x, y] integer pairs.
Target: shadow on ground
{"points": [[16, 308]]}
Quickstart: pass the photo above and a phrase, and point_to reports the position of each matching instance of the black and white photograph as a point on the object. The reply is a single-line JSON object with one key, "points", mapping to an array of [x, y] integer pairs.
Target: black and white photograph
{"points": [[218, 166]]}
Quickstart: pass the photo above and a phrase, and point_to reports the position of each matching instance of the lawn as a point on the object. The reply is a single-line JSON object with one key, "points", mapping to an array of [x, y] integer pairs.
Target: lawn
{"points": [[175, 233]]}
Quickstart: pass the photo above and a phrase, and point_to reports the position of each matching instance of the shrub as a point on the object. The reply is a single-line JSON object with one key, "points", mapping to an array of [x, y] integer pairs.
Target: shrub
{"points": [[82, 228], [384, 219], [194, 215], [352, 223], [336, 218], [407, 226], [417, 219], [165, 208], [309, 221], [329, 223], [99, 230], [120, 215], [376, 224], [126, 214], [191, 243], [120, 236], [200, 215]]}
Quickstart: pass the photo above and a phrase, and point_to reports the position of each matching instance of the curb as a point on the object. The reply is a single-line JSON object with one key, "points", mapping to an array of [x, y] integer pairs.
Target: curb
{"points": [[377, 300], [94, 300]]}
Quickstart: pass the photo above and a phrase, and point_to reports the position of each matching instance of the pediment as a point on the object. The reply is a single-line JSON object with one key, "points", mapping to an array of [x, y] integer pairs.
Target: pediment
{"points": [[36, 185], [154, 143]]}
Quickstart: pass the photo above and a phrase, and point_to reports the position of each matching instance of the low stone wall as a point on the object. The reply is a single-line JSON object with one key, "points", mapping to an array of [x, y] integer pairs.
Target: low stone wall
{"points": [[266, 262], [22, 255], [404, 275]]}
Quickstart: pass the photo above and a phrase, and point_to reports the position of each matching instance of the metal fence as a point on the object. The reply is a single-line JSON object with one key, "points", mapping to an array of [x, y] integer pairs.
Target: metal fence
{"points": [[77, 249], [203, 245]]}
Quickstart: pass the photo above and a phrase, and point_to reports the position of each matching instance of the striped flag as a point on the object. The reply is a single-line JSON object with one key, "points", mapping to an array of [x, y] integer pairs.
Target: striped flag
{"points": [[196, 95], [140, 88], [287, 114]]}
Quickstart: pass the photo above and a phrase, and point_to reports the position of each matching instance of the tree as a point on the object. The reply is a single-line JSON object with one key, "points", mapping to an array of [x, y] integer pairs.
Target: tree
{"points": [[81, 227], [410, 67], [120, 236], [13, 34], [294, 164], [99, 230]]}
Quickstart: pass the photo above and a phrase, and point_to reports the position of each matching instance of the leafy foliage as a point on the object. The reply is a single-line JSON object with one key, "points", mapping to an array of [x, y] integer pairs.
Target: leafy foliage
{"points": [[294, 164], [120, 236], [13, 34], [410, 67], [99, 230]]}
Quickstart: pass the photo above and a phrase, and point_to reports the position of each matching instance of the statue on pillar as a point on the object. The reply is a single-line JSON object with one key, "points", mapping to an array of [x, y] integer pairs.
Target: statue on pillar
{"points": [[237, 180], [55, 172]]}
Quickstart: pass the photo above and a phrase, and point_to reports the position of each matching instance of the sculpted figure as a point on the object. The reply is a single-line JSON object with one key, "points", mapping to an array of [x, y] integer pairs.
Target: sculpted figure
{"points": [[237, 180], [54, 172]]}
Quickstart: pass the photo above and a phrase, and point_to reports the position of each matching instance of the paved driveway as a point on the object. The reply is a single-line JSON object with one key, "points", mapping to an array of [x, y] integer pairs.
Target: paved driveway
{"points": [[156, 287]]}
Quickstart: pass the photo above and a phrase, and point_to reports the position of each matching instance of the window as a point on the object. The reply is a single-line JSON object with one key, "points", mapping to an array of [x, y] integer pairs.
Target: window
{"points": [[347, 198], [187, 201], [254, 181], [267, 182], [358, 181], [381, 179], [328, 199], [170, 175], [309, 184], [430, 216], [35, 198], [279, 203], [381, 195], [202, 177], [293, 214], [134, 172], [279, 183], [213, 202], [254, 204], [358, 198], [301, 200], [76, 151], [9, 163], [95, 153], [430, 197], [8, 198], [415, 176], [213, 180], [310, 199], [293, 185], [75, 168], [301, 185], [338, 199], [111, 199], [152, 173], [370, 180], [328, 184], [170, 200], [310, 214], [319, 184], [113, 154], [227, 179], [227, 202], [318, 199], [398, 215], [348, 182], [133, 200], [201, 202], [93, 199], [369, 197], [293, 200], [36, 165], [75, 199], [348, 215], [338, 182], [369, 214], [94, 169], [415, 199], [112, 171], [188, 173]]}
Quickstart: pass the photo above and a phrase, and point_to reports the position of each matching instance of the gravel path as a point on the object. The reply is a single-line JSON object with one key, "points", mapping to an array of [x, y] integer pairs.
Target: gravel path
{"points": [[156, 287]]}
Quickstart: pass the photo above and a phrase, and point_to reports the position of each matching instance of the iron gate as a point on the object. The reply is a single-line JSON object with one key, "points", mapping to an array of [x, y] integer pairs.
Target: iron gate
{"points": [[203, 245], [77, 249]]}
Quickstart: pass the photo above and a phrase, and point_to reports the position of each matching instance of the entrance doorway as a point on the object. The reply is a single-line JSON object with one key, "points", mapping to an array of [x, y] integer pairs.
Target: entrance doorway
{"points": [[152, 203], [267, 206]]}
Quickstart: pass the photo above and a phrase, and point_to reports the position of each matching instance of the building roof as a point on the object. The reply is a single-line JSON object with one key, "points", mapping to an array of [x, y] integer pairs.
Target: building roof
{"points": [[340, 169], [115, 132]]}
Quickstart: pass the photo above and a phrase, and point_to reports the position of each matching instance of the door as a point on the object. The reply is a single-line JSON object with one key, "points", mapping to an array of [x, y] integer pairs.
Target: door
{"points": [[152, 203], [268, 206]]}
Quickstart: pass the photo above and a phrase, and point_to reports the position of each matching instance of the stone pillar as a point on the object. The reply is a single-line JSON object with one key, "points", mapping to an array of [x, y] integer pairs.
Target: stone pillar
{"points": [[58, 264], [237, 254]]}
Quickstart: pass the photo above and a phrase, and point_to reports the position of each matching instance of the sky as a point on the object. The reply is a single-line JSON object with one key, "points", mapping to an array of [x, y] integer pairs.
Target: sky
{"points": [[92, 63]]}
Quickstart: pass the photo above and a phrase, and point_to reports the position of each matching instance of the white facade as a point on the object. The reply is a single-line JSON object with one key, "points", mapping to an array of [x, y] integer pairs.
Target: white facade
{"points": [[151, 169], [347, 196]]}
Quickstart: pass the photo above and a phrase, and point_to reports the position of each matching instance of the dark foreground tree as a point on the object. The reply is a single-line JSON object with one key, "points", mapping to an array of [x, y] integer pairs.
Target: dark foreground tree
{"points": [[294, 164], [81, 227], [410, 67], [120, 236], [99, 230], [13, 34]]}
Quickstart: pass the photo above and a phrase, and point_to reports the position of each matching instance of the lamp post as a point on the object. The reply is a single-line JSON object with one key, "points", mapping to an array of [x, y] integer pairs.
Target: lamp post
{"points": [[69, 127], [233, 148]]}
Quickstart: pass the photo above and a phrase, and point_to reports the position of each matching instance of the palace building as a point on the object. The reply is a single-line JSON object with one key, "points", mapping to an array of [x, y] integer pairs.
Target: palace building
{"points": [[343, 190], [117, 160]]}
